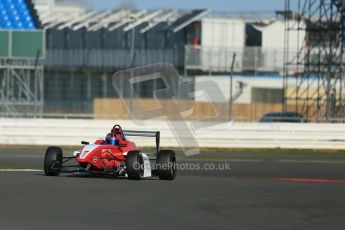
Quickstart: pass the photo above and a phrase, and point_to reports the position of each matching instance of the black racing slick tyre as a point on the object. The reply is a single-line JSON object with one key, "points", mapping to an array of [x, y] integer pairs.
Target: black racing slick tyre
{"points": [[53, 161], [135, 165], [166, 165]]}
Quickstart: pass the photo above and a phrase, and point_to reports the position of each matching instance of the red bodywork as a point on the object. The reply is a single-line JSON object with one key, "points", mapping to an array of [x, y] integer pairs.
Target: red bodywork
{"points": [[104, 156]]}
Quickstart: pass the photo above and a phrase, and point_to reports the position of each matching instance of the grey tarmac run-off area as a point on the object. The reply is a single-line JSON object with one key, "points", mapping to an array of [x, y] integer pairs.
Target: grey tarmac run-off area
{"points": [[251, 195]]}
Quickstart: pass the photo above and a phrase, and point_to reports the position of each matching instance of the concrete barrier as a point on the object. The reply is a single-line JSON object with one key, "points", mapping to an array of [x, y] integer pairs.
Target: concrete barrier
{"points": [[237, 135]]}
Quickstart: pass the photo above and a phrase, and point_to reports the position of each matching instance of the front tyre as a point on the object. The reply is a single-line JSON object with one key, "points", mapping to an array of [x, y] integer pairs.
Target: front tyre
{"points": [[166, 165], [53, 161], [135, 165]]}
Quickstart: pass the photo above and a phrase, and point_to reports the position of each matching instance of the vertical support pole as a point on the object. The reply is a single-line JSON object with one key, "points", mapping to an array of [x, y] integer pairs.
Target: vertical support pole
{"points": [[231, 86]]}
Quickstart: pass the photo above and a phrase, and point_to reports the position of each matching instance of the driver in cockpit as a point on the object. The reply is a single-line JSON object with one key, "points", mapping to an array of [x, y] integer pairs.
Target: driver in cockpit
{"points": [[111, 139]]}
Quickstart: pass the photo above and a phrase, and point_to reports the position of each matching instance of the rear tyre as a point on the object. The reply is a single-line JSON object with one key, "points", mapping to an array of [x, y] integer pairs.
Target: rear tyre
{"points": [[53, 161], [166, 165], [135, 165]]}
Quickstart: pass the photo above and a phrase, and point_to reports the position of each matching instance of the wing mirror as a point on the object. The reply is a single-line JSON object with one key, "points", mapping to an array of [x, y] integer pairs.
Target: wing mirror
{"points": [[85, 143]]}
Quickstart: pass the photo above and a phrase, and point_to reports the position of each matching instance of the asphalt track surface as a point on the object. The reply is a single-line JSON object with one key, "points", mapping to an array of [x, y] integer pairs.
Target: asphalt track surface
{"points": [[251, 195]]}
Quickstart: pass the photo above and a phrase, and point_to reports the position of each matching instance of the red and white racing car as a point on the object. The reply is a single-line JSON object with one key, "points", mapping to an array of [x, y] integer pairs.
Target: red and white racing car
{"points": [[115, 156]]}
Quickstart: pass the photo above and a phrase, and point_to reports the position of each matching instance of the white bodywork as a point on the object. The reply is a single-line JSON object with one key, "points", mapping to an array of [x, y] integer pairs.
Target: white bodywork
{"points": [[147, 165], [87, 150]]}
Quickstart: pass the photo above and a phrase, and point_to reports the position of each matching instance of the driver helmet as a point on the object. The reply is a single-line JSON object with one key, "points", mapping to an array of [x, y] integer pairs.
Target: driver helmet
{"points": [[111, 139]]}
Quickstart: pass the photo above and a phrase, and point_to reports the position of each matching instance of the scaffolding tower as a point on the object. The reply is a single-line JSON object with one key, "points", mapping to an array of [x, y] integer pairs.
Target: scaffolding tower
{"points": [[314, 71], [21, 88], [21, 73]]}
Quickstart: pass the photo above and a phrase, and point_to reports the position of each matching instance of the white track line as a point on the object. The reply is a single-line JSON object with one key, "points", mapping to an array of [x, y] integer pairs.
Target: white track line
{"points": [[21, 170]]}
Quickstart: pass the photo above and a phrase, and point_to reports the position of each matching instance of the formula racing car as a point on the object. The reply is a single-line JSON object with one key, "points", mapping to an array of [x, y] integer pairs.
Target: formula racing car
{"points": [[116, 156]]}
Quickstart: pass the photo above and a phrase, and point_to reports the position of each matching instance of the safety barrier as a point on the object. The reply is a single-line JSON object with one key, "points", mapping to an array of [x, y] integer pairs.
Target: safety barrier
{"points": [[226, 135]]}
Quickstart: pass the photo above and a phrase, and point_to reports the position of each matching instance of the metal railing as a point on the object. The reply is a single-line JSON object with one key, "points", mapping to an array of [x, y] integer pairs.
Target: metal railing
{"points": [[247, 59]]}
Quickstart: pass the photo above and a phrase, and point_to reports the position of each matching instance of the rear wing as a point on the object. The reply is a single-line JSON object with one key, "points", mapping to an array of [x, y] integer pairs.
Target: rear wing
{"points": [[132, 133]]}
